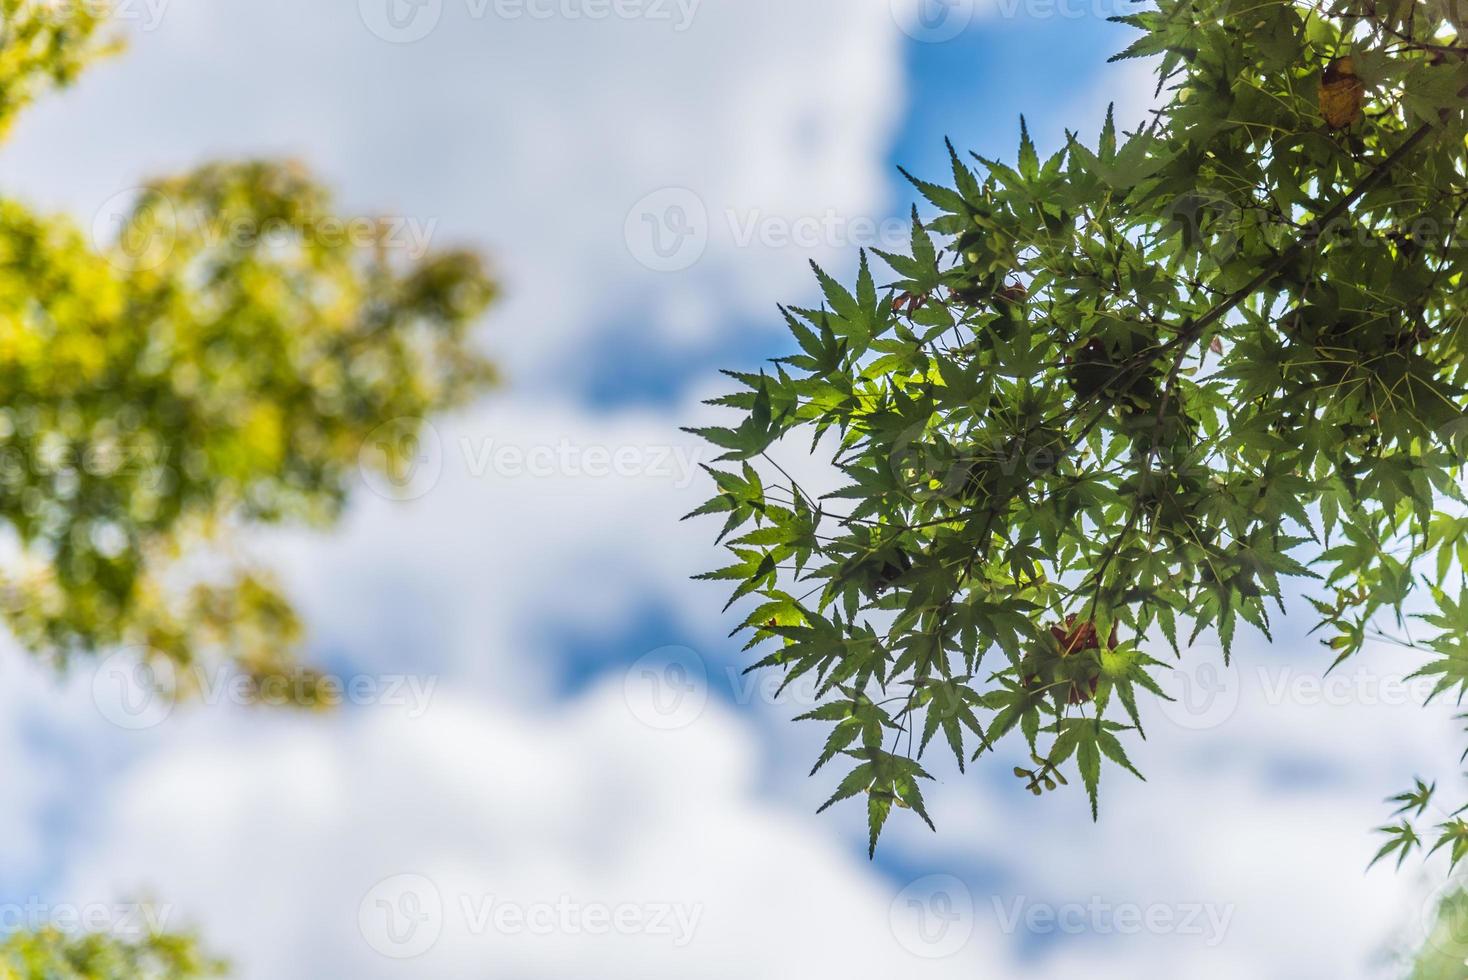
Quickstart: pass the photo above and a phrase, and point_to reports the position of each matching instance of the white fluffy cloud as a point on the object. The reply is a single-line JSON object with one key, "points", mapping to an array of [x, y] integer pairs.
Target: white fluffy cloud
{"points": [[533, 137], [281, 835]]}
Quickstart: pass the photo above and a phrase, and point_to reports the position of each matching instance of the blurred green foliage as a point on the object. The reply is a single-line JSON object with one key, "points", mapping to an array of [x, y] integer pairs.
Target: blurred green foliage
{"points": [[1445, 954], [44, 45], [216, 359], [51, 954]]}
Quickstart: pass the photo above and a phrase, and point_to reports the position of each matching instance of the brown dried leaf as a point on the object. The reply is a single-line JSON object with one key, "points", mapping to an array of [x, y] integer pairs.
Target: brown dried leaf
{"points": [[1342, 94]]}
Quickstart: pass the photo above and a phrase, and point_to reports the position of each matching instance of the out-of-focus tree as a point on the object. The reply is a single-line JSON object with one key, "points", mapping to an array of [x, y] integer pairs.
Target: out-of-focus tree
{"points": [[52, 954], [1445, 954], [227, 356], [220, 362]]}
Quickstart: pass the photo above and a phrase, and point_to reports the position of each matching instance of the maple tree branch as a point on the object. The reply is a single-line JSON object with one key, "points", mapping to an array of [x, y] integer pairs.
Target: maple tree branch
{"points": [[1309, 238]]}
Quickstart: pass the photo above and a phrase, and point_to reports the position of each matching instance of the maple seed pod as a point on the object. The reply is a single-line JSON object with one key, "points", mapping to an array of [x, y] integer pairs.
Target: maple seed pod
{"points": [[1342, 94], [907, 303], [1073, 637], [1022, 773]]}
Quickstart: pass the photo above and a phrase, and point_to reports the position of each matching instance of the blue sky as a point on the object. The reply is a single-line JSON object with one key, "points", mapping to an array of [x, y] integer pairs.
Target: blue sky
{"points": [[536, 602]]}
